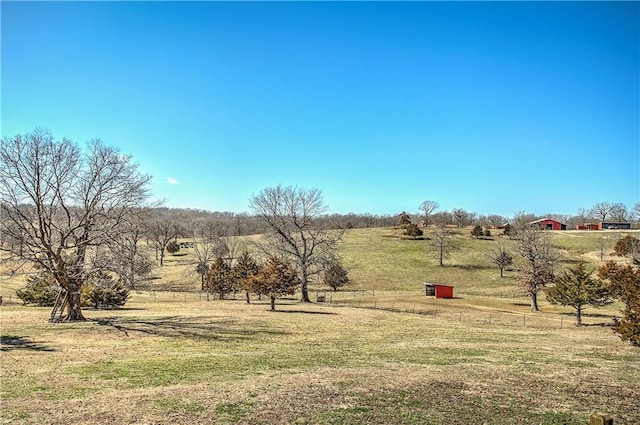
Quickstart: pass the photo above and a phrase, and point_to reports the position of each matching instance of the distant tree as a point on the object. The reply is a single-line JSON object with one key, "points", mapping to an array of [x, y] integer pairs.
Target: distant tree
{"points": [[601, 211], [577, 288], [628, 245], [619, 213], [162, 230], [275, 279], [428, 208], [635, 211], [495, 220], [461, 217], [603, 245], [501, 257], [127, 257], [413, 230], [243, 271], [404, 220], [296, 232], [508, 230], [335, 276], [477, 231], [441, 243], [173, 247], [537, 261], [522, 219], [624, 281], [219, 278], [441, 218]]}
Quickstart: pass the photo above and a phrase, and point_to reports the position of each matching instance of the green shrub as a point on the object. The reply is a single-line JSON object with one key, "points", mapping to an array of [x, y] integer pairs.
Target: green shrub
{"points": [[105, 293], [40, 290], [173, 247]]}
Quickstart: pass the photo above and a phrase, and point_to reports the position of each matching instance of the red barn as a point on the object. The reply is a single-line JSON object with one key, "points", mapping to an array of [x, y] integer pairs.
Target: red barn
{"points": [[549, 224], [438, 291]]}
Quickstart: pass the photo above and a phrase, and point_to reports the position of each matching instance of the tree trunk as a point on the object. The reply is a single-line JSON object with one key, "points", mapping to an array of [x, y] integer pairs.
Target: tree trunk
{"points": [[303, 286], [534, 301], [579, 316], [248, 298], [501, 271], [74, 308], [273, 303]]}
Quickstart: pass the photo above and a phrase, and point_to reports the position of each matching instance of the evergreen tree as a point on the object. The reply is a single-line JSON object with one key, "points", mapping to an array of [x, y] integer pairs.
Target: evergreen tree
{"points": [[244, 269], [577, 288], [477, 231], [219, 278], [103, 292], [275, 279], [412, 230], [40, 290], [173, 247], [335, 276], [404, 220], [624, 282]]}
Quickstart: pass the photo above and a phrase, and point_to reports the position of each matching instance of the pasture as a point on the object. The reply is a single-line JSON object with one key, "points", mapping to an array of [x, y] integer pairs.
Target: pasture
{"points": [[385, 355]]}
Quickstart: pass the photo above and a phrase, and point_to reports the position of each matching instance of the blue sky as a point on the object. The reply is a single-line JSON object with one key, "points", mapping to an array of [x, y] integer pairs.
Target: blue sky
{"points": [[492, 107]]}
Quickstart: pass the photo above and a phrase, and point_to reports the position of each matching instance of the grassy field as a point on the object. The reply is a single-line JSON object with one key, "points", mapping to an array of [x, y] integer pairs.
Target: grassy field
{"points": [[173, 357]]}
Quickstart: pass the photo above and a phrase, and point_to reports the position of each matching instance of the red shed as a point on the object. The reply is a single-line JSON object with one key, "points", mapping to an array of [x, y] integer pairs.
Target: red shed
{"points": [[549, 224], [438, 291]]}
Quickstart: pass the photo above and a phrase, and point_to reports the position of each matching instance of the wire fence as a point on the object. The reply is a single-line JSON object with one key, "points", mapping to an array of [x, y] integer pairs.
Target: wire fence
{"points": [[392, 301]]}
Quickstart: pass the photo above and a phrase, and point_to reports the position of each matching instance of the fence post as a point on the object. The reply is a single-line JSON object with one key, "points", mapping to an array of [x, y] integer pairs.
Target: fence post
{"points": [[524, 320]]}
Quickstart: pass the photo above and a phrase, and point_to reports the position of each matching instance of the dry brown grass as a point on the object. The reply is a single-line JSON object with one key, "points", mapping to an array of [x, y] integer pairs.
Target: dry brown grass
{"points": [[228, 362], [175, 358]]}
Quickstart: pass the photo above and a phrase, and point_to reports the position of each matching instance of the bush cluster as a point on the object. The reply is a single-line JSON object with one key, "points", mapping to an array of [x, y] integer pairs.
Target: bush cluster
{"points": [[100, 292]]}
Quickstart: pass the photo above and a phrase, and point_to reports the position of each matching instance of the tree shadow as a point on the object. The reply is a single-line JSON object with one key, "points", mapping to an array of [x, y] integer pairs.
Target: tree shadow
{"points": [[9, 342], [306, 312], [469, 266], [200, 328]]}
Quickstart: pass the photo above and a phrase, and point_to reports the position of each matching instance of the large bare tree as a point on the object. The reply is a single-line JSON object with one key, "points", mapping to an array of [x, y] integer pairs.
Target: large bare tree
{"points": [[428, 208], [537, 262], [601, 211], [291, 214], [441, 242], [62, 203]]}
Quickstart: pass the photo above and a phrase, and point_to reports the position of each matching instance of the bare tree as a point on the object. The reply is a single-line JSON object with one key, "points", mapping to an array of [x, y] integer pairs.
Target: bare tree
{"points": [[635, 212], [495, 220], [126, 256], [501, 257], [619, 213], [427, 208], [162, 230], [461, 216], [441, 243], [207, 245], [64, 204], [537, 261], [601, 211], [291, 214]]}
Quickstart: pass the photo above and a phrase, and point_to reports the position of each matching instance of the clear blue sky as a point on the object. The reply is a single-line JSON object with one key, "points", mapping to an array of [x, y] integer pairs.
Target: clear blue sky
{"points": [[492, 107]]}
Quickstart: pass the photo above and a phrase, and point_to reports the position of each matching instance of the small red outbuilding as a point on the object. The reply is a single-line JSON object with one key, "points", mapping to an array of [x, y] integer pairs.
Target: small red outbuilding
{"points": [[437, 290]]}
